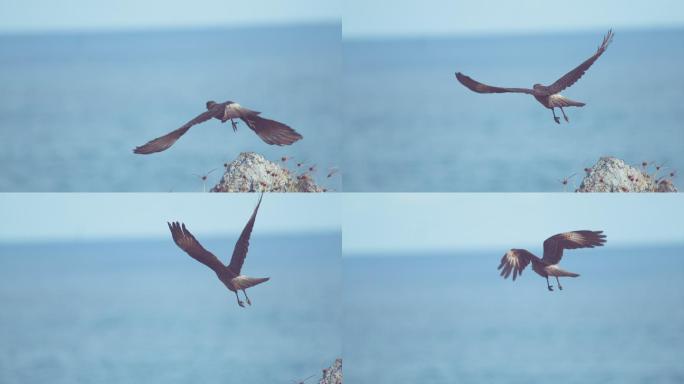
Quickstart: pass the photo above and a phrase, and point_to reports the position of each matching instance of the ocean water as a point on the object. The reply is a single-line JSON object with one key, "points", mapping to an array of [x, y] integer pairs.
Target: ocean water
{"points": [[73, 106], [411, 126], [143, 311], [452, 319]]}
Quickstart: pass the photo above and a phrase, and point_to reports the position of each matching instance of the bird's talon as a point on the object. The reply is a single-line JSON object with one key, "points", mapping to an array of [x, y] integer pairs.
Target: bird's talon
{"points": [[240, 303], [557, 120], [249, 302], [550, 287]]}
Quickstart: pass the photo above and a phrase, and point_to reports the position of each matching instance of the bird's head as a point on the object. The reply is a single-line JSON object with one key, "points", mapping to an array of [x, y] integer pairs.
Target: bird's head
{"points": [[210, 104], [537, 86]]}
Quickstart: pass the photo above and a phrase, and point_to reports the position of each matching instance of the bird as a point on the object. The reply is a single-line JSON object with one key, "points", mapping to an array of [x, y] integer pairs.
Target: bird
{"points": [[332, 171], [548, 96], [204, 178], [515, 260], [270, 131], [228, 274]]}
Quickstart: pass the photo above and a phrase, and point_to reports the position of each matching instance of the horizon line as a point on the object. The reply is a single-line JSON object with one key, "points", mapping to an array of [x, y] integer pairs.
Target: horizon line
{"points": [[144, 238], [390, 36], [161, 28]]}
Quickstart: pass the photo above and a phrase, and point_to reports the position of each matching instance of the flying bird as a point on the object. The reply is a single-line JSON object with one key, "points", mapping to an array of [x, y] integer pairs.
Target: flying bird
{"points": [[515, 260], [270, 131], [228, 274], [548, 96]]}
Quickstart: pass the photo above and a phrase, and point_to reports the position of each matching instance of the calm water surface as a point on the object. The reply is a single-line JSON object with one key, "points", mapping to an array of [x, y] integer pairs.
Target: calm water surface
{"points": [[73, 107], [452, 319], [143, 311], [410, 126]]}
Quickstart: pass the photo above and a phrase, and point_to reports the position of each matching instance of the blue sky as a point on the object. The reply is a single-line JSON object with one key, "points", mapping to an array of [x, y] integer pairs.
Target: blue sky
{"points": [[397, 223], [81, 216], [41, 15], [374, 18]]}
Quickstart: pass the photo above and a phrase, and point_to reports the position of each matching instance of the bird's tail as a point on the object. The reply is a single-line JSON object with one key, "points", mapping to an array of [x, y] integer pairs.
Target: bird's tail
{"points": [[244, 282], [562, 101], [573, 103], [561, 272]]}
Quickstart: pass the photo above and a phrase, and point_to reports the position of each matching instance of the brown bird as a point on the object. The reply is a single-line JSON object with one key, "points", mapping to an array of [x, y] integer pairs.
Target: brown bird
{"points": [[229, 275], [270, 131], [548, 96], [515, 260]]}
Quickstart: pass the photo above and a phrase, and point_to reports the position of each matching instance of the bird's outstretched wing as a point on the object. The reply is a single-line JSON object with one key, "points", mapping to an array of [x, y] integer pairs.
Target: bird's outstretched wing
{"points": [[484, 88], [554, 245], [271, 131], [571, 77], [242, 245], [164, 142], [514, 261], [187, 242]]}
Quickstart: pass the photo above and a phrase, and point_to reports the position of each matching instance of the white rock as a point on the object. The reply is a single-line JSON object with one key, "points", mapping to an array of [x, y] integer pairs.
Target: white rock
{"points": [[251, 172], [332, 375], [613, 175]]}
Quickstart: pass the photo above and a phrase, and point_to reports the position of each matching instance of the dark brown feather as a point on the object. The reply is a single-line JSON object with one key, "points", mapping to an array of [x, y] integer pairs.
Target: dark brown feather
{"points": [[164, 142], [484, 88], [571, 77], [187, 242], [271, 131], [242, 245], [515, 261], [554, 245]]}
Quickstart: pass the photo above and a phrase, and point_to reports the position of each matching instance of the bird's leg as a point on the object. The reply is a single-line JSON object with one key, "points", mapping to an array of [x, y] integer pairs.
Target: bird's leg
{"points": [[240, 303], [559, 286], [555, 118], [234, 124], [246, 297], [548, 285], [564, 115]]}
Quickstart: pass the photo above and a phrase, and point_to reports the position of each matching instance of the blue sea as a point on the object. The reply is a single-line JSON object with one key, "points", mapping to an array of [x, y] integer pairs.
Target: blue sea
{"points": [[411, 126], [143, 311], [74, 105], [452, 319]]}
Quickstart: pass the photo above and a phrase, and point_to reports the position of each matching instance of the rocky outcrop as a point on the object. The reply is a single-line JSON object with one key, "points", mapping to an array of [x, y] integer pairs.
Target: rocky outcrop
{"points": [[251, 172], [613, 175], [332, 375]]}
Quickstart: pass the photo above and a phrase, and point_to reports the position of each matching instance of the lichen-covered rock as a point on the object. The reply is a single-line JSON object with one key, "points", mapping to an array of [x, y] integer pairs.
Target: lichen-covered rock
{"points": [[251, 172], [613, 175], [332, 375]]}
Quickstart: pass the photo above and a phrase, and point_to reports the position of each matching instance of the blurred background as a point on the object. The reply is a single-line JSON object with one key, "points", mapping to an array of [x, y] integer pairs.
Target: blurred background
{"points": [[424, 301], [85, 82], [414, 127], [99, 292]]}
